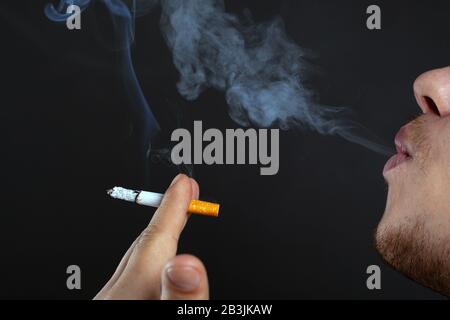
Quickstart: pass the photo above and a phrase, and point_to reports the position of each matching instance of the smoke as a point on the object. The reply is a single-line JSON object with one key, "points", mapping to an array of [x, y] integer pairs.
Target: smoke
{"points": [[257, 66], [145, 126], [59, 14]]}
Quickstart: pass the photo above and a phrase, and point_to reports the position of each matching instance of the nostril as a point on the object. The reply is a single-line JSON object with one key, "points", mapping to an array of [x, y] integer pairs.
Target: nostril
{"points": [[432, 105]]}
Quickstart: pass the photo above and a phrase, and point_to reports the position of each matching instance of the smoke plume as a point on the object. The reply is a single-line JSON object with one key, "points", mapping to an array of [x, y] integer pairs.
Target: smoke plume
{"points": [[257, 66]]}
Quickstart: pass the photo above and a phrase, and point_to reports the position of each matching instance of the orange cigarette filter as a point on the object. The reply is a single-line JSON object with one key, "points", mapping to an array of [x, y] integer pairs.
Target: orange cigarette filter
{"points": [[204, 208]]}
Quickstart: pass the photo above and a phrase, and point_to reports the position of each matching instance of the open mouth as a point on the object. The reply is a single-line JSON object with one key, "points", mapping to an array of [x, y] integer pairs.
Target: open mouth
{"points": [[403, 152]]}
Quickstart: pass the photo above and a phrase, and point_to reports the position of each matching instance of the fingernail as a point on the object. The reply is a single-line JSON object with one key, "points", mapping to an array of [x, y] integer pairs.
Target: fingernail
{"points": [[176, 179], [184, 278]]}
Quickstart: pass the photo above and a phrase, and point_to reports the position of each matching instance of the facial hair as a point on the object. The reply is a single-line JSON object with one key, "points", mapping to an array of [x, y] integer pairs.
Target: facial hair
{"points": [[417, 253]]}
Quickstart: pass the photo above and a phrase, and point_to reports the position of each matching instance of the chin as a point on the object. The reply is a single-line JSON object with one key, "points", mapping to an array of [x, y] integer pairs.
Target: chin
{"points": [[411, 246]]}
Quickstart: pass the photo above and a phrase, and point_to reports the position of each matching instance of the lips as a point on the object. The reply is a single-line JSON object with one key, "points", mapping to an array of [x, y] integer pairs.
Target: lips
{"points": [[404, 151]]}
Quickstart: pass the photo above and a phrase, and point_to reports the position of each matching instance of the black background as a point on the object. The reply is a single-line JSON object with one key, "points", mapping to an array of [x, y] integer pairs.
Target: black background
{"points": [[305, 233]]}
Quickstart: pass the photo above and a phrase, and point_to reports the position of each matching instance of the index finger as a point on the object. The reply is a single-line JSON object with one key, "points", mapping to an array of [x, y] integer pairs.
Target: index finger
{"points": [[158, 242], [170, 218]]}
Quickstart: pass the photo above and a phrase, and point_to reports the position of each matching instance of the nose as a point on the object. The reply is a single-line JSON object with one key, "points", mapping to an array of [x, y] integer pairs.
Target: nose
{"points": [[432, 91]]}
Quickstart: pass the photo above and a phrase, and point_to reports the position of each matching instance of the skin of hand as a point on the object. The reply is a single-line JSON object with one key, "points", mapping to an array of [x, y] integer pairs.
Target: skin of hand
{"points": [[150, 269]]}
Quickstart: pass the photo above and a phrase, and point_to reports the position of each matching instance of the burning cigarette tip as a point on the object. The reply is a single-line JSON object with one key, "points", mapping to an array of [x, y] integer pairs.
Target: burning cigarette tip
{"points": [[152, 199]]}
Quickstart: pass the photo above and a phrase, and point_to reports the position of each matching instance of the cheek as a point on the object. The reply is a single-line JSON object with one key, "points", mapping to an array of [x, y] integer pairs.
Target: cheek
{"points": [[438, 188], [428, 191], [427, 185], [439, 142], [438, 164]]}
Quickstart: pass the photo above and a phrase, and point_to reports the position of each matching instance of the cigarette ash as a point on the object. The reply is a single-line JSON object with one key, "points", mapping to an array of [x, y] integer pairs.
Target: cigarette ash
{"points": [[123, 194]]}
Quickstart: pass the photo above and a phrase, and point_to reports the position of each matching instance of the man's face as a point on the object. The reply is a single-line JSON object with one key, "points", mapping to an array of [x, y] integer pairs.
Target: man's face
{"points": [[414, 233]]}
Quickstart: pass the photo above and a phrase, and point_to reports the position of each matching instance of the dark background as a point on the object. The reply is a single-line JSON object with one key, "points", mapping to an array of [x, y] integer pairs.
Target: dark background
{"points": [[305, 233]]}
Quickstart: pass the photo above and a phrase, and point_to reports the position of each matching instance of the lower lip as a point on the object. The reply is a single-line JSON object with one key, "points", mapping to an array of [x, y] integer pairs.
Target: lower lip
{"points": [[395, 161]]}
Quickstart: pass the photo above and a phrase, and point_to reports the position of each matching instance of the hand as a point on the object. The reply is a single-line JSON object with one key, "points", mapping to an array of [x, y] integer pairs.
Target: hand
{"points": [[150, 270]]}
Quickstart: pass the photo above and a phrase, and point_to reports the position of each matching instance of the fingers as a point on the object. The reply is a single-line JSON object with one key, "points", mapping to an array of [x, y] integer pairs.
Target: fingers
{"points": [[102, 294], [140, 278], [184, 278], [170, 219]]}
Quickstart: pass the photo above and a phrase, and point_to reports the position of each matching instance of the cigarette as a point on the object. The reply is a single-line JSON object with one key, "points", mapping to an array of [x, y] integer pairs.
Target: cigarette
{"points": [[152, 199]]}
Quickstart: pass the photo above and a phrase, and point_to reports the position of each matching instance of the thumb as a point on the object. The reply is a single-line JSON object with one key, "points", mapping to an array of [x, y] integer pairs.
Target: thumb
{"points": [[184, 278]]}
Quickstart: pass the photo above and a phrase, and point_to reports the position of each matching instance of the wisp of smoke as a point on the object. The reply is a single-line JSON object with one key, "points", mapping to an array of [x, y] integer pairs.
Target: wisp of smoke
{"points": [[257, 66], [145, 125], [58, 13]]}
